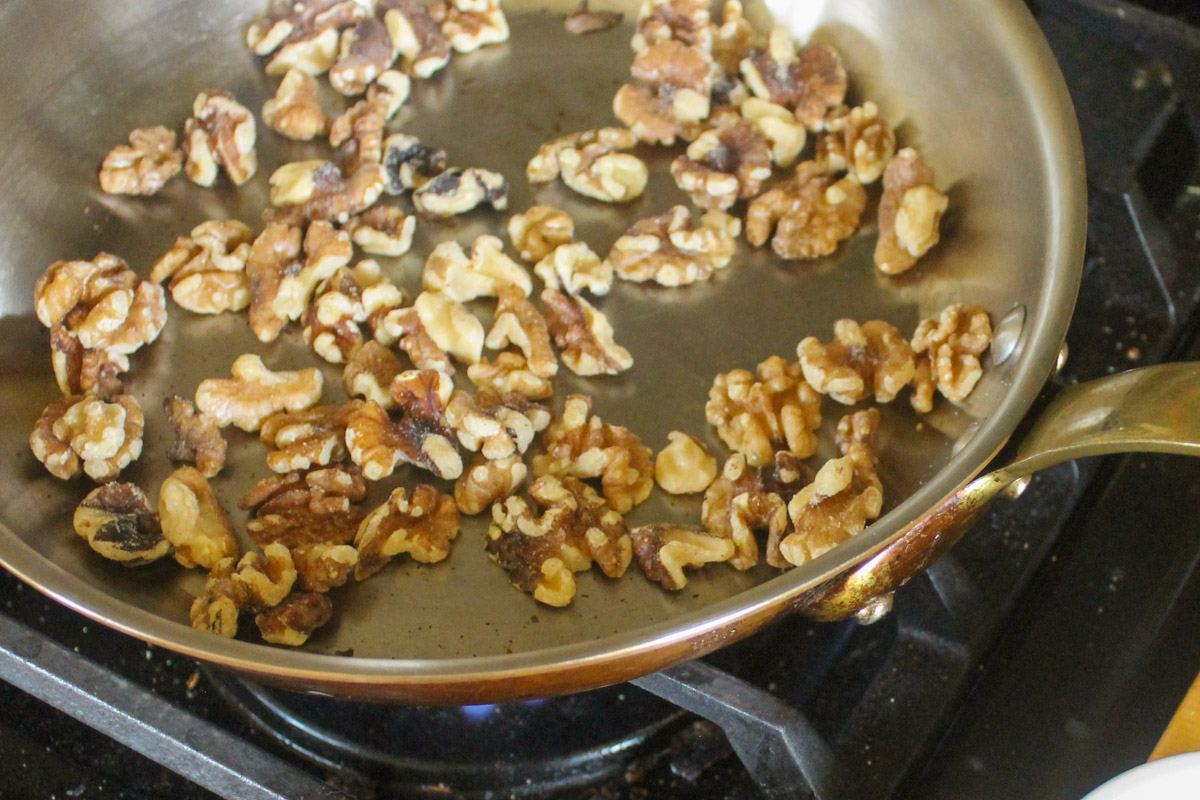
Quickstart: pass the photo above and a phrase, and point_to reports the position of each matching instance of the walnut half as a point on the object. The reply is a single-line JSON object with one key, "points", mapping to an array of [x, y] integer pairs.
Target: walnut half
{"points": [[255, 393], [117, 522]]}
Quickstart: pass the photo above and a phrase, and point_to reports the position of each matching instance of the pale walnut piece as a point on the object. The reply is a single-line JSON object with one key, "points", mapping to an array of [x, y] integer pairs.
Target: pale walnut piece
{"points": [[313, 437], [321, 567], [673, 250], [458, 190], [589, 163], [517, 323], [811, 213], [192, 520], [317, 507], [369, 373], [684, 466], [382, 230], [583, 445], [255, 393], [574, 268], [584, 335], [420, 436], [470, 24], [220, 133], [422, 526], [510, 374], [743, 501], [857, 140], [117, 522], [144, 165], [453, 328], [326, 250], [415, 36], [295, 619], [488, 270], [871, 359], [485, 481], [685, 21], [785, 135], [536, 233], [302, 34], [295, 111], [403, 327], [408, 164], [758, 414], [724, 165], [393, 86], [322, 190], [207, 269], [910, 213], [87, 433], [364, 52], [845, 494], [675, 96], [664, 551], [198, 439], [808, 81], [948, 348]]}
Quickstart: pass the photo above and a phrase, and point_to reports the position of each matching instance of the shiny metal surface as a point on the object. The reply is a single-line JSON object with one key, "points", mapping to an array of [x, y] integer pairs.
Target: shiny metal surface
{"points": [[974, 87]]}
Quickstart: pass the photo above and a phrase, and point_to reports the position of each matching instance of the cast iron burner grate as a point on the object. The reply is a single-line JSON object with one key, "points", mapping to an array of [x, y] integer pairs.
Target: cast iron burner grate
{"points": [[847, 710]]}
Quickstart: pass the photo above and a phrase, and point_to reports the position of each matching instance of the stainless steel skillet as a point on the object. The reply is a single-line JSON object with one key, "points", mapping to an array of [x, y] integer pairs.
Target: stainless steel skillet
{"points": [[970, 84]]}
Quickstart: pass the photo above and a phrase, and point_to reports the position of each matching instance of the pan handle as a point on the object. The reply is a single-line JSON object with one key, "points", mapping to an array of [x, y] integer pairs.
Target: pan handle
{"points": [[1149, 410]]}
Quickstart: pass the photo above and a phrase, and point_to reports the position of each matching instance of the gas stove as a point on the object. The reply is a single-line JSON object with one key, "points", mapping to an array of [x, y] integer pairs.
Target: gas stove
{"points": [[1043, 656]]}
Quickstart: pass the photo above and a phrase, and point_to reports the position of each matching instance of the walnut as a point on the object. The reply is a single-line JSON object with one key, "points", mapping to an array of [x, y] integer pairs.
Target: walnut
{"points": [[207, 269], [408, 164], [757, 414], [861, 360], [574, 268], [145, 165], [684, 466], [382, 230], [910, 213], [192, 520], [842, 498], [321, 567], [263, 580], [358, 134], [67, 285], [369, 373], [450, 325], [724, 165], [496, 425], [117, 522], [199, 440], [295, 111], [485, 481], [403, 327], [484, 274], [590, 165], [650, 116], [274, 254], [321, 190], [78, 370], [255, 393], [415, 36], [663, 551], [672, 250], [333, 320], [293, 621], [676, 97], [582, 445], [948, 347], [814, 213], [325, 251], [470, 24], [516, 322], [808, 81], [741, 501], [419, 437], [857, 140], [785, 135], [300, 440], [302, 34], [734, 39], [458, 190], [318, 507], [220, 133], [100, 437], [583, 20], [685, 21], [392, 87], [510, 374], [537, 232], [216, 610], [584, 335], [364, 52], [423, 526]]}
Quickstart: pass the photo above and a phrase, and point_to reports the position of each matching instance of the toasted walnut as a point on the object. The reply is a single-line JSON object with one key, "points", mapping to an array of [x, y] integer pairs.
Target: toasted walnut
{"points": [[302, 34], [857, 140], [584, 335], [408, 164], [510, 374], [537, 232], [403, 327], [67, 285], [295, 619], [676, 97], [574, 268], [685, 21], [814, 213], [220, 133], [457, 191], [590, 164], [860, 361], [321, 567], [486, 481], [300, 440], [207, 269], [145, 165], [393, 87], [192, 520], [450, 325], [734, 39], [320, 190], [255, 393], [117, 522], [910, 213], [470, 24], [724, 165], [369, 373], [757, 414], [582, 445], [318, 507], [809, 81], [420, 437], [78, 370], [496, 426], [516, 322], [85, 432], [785, 135], [948, 348], [325, 251], [842, 498], [650, 116], [742, 500], [583, 20], [663, 551], [684, 466], [263, 580], [358, 134], [295, 111], [415, 36], [673, 250], [273, 256], [382, 230], [364, 52], [216, 610], [423, 526], [333, 320], [450, 272], [199, 440]]}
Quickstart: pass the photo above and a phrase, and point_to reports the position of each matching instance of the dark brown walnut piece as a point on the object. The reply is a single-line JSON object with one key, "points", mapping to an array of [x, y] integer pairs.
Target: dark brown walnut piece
{"points": [[322, 190], [318, 507], [295, 619], [810, 214], [118, 523], [422, 526], [89, 434], [861, 361], [192, 520], [948, 348], [457, 191], [758, 413], [808, 81], [198, 439], [724, 165], [144, 165], [583, 335], [664, 551], [408, 164], [743, 501], [321, 567], [910, 213], [420, 437], [220, 133], [382, 230]]}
